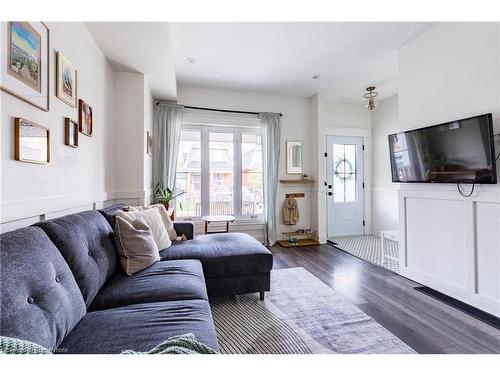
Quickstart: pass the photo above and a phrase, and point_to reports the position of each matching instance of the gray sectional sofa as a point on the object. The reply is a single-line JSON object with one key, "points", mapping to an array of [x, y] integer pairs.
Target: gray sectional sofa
{"points": [[62, 286]]}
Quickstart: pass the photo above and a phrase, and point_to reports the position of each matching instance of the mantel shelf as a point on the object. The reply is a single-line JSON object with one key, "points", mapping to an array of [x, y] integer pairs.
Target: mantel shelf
{"points": [[297, 181]]}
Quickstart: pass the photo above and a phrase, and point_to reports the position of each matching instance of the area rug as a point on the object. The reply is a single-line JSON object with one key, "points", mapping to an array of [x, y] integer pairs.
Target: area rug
{"points": [[246, 325], [367, 248], [301, 315]]}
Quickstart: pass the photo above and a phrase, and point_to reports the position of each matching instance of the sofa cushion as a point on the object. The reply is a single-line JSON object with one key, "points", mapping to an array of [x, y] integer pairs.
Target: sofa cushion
{"points": [[140, 327], [109, 213], [86, 242], [223, 254], [163, 281], [40, 300]]}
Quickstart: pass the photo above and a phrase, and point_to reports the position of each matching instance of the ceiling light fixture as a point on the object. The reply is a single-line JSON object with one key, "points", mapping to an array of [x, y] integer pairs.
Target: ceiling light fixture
{"points": [[370, 98], [316, 76], [191, 60]]}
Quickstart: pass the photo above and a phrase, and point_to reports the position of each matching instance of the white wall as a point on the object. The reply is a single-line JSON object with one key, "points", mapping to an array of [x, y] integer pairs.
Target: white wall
{"points": [[148, 126], [295, 125], [129, 117], [385, 209], [74, 177], [133, 112], [447, 241]]}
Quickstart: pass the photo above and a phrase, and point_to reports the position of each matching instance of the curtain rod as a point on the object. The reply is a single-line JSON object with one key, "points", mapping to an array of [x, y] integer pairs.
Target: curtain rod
{"points": [[220, 110]]}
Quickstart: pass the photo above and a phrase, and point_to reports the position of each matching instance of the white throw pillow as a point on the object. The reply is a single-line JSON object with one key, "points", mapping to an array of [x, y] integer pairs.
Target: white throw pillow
{"points": [[167, 222], [153, 219]]}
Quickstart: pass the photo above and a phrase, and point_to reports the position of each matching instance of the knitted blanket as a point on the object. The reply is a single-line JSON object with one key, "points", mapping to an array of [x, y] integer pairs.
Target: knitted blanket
{"points": [[183, 344], [10, 345]]}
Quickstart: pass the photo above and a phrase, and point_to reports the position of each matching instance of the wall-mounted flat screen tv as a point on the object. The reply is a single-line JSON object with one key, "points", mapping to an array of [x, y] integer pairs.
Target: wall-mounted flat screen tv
{"points": [[459, 151]]}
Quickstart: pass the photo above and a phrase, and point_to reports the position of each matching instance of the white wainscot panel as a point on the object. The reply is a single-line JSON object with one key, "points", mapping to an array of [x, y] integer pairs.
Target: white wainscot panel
{"points": [[435, 231], [488, 249]]}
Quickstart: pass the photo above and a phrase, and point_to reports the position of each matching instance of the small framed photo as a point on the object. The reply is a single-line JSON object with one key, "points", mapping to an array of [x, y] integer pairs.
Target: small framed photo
{"points": [[66, 81], [70, 132], [149, 143], [32, 142], [85, 121], [25, 75]]}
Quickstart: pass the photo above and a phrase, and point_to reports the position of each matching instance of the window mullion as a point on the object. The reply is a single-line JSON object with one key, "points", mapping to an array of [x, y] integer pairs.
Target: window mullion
{"points": [[237, 173], [205, 172]]}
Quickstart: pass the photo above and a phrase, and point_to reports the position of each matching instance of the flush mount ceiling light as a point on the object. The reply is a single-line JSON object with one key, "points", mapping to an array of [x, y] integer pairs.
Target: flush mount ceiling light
{"points": [[370, 97], [191, 60]]}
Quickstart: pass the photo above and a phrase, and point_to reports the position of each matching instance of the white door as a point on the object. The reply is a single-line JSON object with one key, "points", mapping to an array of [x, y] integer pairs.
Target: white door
{"points": [[344, 185]]}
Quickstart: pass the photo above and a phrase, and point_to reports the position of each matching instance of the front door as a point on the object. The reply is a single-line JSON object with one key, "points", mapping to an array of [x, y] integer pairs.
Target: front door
{"points": [[345, 185]]}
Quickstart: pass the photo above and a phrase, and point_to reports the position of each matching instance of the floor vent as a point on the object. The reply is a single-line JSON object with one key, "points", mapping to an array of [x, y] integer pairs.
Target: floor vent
{"points": [[467, 309]]}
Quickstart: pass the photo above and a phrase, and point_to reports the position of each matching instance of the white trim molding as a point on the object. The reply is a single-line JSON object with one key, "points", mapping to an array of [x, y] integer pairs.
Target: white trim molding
{"points": [[451, 243]]}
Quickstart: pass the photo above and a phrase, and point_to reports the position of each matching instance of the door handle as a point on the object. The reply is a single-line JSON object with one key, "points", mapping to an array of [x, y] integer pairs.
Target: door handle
{"points": [[329, 186]]}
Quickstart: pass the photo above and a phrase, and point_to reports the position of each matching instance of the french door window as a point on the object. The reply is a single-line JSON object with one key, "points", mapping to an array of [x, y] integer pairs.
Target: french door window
{"points": [[220, 171]]}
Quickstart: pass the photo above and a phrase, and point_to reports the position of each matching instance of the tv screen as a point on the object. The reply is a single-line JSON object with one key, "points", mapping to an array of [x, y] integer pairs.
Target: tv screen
{"points": [[459, 151]]}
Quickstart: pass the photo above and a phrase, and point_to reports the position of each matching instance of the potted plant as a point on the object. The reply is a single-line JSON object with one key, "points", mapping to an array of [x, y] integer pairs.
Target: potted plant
{"points": [[165, 195]]}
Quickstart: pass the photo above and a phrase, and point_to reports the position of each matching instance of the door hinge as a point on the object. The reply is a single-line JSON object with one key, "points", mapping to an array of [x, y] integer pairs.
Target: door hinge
{"points": [[326, 155], [363, 185], [363, 223], [363, 147]]}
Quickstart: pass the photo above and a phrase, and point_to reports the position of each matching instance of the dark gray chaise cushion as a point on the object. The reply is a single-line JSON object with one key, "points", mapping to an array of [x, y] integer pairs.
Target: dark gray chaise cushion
{"points": [[163, 281], [40, 300], [86, 242], [140, 327], [223, 254]]}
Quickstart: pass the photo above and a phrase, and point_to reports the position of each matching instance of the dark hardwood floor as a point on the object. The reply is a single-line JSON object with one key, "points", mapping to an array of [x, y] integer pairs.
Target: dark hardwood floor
{"points": [[422, 322]]}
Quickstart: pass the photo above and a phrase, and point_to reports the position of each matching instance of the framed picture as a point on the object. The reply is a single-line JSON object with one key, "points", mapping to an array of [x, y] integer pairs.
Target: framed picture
{"points": [[85, 118], [66, 81], [32, 142], [293, 157], [26, 72], [149, 143], [70, 132]]}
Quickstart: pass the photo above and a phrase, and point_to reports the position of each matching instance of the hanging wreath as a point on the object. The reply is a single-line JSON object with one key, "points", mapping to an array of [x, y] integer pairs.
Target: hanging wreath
{"points": [[346, 170]]}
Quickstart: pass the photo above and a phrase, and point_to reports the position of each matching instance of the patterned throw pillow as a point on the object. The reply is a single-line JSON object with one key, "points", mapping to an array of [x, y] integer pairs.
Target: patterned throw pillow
{"points": [[153, 219], [167, 222]]}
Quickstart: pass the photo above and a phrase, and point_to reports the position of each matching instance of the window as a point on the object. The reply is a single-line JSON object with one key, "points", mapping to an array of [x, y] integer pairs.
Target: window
{"points": [[221, 157], [188, 177], [251, 174], [220, 168], [344, 173]]}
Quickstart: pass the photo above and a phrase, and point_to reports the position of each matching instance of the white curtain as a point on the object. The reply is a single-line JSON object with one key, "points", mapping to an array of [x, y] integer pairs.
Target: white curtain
{"points": [[270, 127], [166, 136]]}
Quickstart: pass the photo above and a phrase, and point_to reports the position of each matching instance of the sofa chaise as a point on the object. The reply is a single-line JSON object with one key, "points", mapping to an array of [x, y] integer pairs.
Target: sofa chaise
{"points": [[62, 286]]}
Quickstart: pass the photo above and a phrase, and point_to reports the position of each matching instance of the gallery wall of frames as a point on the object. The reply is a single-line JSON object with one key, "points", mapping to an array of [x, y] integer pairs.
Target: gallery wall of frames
{"points": [[27, 77], [56, 119]]}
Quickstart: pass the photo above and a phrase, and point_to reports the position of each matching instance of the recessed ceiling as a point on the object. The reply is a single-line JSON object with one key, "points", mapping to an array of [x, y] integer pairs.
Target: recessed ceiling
{"points": [[282, 58], [142, 47]]}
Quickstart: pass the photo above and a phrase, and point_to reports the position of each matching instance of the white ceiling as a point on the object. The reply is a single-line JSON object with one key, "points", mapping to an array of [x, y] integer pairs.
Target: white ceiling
{"points": [[281, 58], [144, 47]]}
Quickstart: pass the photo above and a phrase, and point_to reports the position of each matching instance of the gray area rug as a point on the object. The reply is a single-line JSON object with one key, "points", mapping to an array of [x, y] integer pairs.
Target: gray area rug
{"points": [[301, 315]]}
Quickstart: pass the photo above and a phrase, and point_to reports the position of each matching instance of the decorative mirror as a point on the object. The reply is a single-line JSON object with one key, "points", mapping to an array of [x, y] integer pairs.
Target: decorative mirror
{"points": [[293, 157], [32, 142]]}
